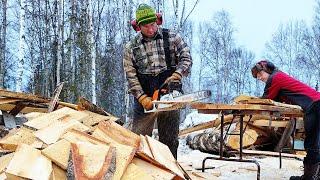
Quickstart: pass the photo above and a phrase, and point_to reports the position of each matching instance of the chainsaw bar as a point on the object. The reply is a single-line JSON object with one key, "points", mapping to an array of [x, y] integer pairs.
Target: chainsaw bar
{"points": [[174, 103]]}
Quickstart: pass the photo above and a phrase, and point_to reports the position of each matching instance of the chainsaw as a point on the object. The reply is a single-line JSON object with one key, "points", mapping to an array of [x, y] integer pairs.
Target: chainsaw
{"points": [[170, 97]]}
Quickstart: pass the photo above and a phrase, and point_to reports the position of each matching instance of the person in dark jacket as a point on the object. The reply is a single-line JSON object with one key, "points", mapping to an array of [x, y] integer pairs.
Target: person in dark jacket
{"points": [[283, 88], [153, 57]]}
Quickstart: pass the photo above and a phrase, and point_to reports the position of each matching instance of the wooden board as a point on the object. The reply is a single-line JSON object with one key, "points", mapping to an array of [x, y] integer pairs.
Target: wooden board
{"points": [[163, 155], [25, 96], [33, 115], [9, 107], [29, 163], [58, 153], [144, 149], [23, 135], [207, 107], [60, 114], [124, 153], [267, 123], [154, 171], [4, 100], [57, 173], [4, 161], [52, 133], [93, 118], [135, 172], [93, 161], [116, 133], [75, 136]]}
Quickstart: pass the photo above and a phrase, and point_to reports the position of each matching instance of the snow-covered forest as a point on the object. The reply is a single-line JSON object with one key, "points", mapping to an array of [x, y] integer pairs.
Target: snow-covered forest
{"points": [[80, 43]]}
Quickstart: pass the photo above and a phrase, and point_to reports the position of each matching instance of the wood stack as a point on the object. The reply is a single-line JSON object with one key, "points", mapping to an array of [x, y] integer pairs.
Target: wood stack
{"points": [[78, 144], [260, 129]]}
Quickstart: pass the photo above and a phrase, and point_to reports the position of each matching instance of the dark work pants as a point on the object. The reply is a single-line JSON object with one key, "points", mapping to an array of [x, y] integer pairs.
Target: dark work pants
{"points": [[312, 132], [168, 125]]}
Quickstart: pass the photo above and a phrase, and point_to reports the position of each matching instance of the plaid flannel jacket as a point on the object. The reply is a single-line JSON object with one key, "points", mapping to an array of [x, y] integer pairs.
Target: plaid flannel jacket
{"points": [[147, 56]]}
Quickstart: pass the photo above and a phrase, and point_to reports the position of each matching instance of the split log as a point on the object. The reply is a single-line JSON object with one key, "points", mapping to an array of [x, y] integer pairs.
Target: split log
{"points": [[249, 138]]}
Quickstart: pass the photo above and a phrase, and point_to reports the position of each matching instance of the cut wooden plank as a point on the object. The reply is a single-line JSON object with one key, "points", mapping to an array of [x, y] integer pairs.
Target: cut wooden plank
{"points": [[124, 153], [85, 104], [4, 161], [54, 100], [94, 118], [49, 118], [243, 97], [23, 135], [270, 153], [217, 122], [9, 107], [135, 172], [4, 100], [116, 133], [57, 173], [58, 153], [33, 115], [29, 163], [154, 171], [274, 123], [163, 155], [25, 96], [93, 161], [75, 136], [144, 149], [52, 133], [3, 176]]}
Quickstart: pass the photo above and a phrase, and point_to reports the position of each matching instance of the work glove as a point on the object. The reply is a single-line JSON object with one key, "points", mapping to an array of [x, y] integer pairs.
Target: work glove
{"points": [[146, 102], [175, 76]]}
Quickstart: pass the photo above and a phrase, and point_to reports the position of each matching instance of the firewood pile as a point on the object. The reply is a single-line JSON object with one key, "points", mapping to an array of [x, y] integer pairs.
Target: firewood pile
{"points": [[75, 142], [262, 131]]}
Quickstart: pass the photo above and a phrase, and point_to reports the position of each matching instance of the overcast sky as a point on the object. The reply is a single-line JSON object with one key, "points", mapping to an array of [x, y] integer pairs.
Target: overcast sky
{"points": [[256, 20]]}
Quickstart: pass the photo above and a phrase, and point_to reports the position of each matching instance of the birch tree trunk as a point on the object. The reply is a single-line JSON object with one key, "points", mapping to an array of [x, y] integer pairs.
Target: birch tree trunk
{"points": [[59, 34], [3, 42], [21, 55], [93, 54]]}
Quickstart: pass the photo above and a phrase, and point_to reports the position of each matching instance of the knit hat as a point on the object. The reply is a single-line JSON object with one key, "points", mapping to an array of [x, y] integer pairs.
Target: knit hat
{"points": [[145, 14], [264, 65]]}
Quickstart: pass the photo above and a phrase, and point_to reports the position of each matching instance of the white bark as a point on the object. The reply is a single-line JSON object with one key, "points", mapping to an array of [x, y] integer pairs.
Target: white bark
{"points": [[21, 55], [93, 54], [3, 41], [59, 38]]}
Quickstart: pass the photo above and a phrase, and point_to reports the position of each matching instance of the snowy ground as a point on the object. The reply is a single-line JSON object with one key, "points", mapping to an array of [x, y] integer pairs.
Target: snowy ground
{"points": [[191, 160]]}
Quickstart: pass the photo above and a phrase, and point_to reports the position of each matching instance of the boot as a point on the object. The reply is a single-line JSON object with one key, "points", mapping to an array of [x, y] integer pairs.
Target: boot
{"points": [[311, 172]]}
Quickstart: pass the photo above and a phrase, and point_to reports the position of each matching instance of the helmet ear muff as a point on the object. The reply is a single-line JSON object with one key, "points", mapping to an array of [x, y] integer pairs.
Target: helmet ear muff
{"points": [[159, 19], [135, 25]]}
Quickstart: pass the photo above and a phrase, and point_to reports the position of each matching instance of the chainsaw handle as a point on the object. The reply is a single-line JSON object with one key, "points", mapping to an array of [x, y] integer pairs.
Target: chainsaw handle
{"points": [[156, 93]]}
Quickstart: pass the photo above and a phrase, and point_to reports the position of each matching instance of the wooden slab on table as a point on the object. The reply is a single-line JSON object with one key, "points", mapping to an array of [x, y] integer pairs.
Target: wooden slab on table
{"points": [[270, 102], [75, 136], [58, 173], [93, 118], [154, 171], [93, 161], [135, 172], [124, 153], [49, 118], [33, 115], [22, 135], [4, 161], [113, 132], [163, 155], [207, 107], [52, 133], [58, 153], [29, 163], [243, 97]]}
